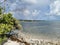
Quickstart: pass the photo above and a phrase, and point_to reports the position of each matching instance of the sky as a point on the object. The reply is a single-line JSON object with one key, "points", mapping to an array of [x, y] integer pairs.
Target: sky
{"points": [[33, 9]]}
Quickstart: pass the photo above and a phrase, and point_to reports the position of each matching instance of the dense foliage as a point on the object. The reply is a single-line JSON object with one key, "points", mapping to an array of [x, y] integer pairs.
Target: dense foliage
{"points": [[7, 23]]}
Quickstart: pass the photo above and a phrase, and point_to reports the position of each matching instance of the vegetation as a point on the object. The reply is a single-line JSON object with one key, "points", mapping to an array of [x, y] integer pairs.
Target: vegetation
{"points": [[7, 23]]}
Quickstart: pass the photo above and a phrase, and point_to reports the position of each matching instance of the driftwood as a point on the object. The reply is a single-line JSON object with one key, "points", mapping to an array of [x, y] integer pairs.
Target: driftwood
{"points": [[13, 38]]}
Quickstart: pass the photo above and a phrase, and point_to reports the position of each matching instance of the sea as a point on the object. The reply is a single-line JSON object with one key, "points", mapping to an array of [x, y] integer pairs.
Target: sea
{"points": [[42, 28]]}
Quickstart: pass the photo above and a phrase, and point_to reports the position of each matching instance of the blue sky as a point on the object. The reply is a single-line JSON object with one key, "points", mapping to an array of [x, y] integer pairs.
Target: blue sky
{"points": [[33, 9]]}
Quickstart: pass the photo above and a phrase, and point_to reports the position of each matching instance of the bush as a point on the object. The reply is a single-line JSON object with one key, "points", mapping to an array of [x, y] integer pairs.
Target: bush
{"points": [[4, 28], [8, 23]]}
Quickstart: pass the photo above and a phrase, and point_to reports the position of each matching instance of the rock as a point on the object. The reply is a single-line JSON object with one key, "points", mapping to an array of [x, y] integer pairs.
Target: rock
{"points": [[32, 42], [9, 42]]}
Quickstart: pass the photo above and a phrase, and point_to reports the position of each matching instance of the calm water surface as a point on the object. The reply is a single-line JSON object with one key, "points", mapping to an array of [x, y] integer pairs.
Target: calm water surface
{"points": [[42, 28]]}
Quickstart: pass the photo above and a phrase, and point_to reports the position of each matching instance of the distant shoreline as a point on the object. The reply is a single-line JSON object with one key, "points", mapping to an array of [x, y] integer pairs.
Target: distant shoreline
{"points": [[32, 20], [37, 20]]}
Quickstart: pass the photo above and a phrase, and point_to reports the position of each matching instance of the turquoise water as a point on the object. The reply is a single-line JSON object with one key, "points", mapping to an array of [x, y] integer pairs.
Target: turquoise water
{"points": [[42, 28]]}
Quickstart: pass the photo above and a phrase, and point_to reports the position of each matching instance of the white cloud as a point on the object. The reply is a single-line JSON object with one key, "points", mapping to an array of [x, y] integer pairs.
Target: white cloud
{"points": [[1, 0], [55, 8], [43, 2], [35, 12], [31, 1], [26, 12], [38, 2], [29, 11]]}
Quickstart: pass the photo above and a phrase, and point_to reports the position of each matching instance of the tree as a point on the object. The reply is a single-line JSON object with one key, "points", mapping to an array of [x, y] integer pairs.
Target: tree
{"points": [[8, 23]]}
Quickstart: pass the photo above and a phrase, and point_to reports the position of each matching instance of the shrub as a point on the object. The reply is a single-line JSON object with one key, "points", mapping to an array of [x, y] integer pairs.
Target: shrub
{"points": [[8, 23]]}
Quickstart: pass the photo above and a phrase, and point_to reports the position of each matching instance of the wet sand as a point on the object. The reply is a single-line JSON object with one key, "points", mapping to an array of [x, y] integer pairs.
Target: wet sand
{"points": [[32, 36]]}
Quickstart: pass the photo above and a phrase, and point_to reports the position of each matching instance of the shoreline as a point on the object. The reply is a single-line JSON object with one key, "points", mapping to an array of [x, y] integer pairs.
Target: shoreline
{"points": [[33, 40], [24, 39], [32, 36], [36, 37]]}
